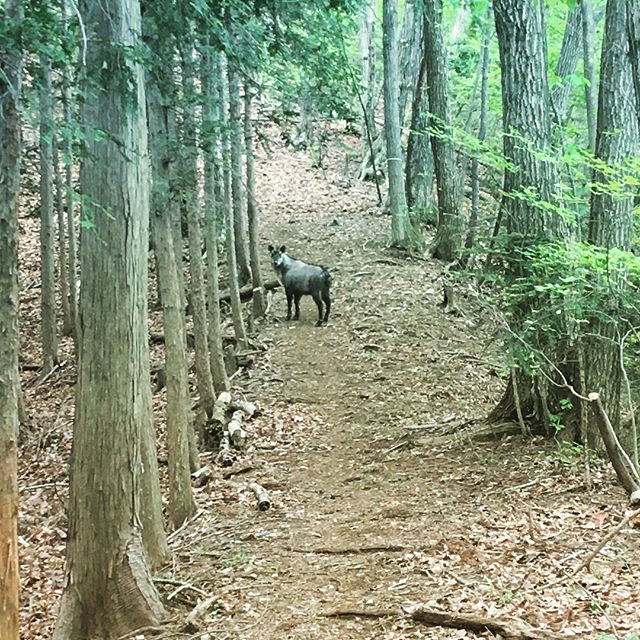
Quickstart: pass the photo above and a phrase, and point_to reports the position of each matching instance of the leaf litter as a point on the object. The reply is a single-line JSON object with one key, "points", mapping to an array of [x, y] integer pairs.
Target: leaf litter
{"points": [[366, 514]]}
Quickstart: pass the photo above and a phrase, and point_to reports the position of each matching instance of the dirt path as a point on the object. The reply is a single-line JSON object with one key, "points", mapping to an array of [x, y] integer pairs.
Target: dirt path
{"points": [[366, 515], [362, 519]]}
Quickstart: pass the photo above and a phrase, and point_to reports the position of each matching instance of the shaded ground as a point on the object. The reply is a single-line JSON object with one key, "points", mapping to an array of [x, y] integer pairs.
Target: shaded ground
{"points": [[368, 514]]}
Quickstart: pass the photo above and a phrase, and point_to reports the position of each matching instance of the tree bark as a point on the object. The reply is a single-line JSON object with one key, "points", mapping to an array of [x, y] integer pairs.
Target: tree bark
{"points": [[235, 149], [159, 81], [47, 251], [567, 63], [212, 79], [190, 197], [448, 240], [368, 84], [611, 217], [232, 264], [259, 302], [109, 590], [633, 34], [588, 52], [401, 231], [10, 142]]}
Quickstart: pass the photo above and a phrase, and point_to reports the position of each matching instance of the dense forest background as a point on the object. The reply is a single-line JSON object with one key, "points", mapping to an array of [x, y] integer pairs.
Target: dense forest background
{"points": [[447, 438]]}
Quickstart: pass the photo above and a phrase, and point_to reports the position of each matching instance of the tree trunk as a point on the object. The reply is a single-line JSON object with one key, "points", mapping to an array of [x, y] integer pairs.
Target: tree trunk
{"points": [[567, 63], [611, 219], [239, 222], [47, 251], [448, 240], [368, 85], [179, 419], [526, 115], [633, 32], [419, 169], [588, 52], [190, 198], [71, 225], [401, 231], [63, 275], [482, 134], [10, 143], [259, 301], [109, 591], [411, 37], [229, 209]]}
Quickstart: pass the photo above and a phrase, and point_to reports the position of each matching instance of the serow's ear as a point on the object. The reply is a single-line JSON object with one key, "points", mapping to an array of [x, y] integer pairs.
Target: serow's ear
{"points": [[270, 248], [283, 249]]}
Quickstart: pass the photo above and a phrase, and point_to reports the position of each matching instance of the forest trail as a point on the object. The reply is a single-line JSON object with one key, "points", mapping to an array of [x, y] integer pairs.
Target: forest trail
{"points": [[367, 514], [366, 517]]}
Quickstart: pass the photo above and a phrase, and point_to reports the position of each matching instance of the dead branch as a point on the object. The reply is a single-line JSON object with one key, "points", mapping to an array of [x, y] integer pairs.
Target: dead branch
{"points": [[362, 613], [623, 466], [512, 629], [264, 502], [199, 610], [352, 550]]}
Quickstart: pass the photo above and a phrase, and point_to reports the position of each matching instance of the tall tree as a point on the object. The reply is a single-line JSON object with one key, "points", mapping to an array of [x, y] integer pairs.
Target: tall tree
{"points": [[588, 49], [163, 209], [633, 33], [448, 240], [213, 110], [611, 219], [194, 224], [401, 231], [530, 182], [109, 590], [10, 143], [47, 251], [252, 207]]}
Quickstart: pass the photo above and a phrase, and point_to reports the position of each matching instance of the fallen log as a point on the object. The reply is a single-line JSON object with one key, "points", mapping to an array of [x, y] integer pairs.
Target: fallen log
{"points": [[509, 629], [246, 292], [264, 502], [237, 434], [224, 458], [248, 408]]}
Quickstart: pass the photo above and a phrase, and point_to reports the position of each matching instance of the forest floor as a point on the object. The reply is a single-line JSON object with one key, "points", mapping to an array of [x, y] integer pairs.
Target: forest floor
{"points": [[372, 512]]}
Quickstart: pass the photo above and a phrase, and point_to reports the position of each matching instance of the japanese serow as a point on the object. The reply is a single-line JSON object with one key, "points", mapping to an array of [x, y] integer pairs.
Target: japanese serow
{"points": [[298, 279]]}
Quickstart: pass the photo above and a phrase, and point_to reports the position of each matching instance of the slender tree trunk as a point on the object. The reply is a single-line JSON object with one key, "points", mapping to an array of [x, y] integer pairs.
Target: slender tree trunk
{"points": [[179, 417], [611, 219], [419, 174], [212, 79], [448, 240], [232, 265], [10, 143], [67, 320], [109, 590], [72, 275], [252, 209], [410, 53], [588, 50], [482, 134], [368, 86], [190, 195], [567, 63], [47, 251], [633, 33], [401, 231], [239, 222]]}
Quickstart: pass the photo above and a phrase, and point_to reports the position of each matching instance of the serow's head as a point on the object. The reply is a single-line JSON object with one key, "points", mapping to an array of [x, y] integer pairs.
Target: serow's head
{"points": [[277, 255]]}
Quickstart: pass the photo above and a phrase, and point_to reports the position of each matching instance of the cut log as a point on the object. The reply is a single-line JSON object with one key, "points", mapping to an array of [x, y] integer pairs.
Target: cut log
{"points": [[237, 434], [264, 502], [220, 406], [248, 408], [224, 458], [246, 292]]}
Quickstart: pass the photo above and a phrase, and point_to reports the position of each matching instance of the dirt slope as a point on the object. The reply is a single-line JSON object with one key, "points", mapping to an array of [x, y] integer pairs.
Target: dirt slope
{"points": [[366, 515]]}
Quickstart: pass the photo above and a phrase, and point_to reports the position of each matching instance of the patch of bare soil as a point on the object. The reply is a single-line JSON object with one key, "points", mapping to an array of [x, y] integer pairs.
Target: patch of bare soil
{"points": [[369, 514]]}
